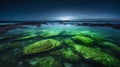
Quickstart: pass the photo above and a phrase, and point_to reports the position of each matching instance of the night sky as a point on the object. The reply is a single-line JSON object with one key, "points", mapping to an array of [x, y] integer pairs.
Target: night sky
{"points": [[58, 9]]}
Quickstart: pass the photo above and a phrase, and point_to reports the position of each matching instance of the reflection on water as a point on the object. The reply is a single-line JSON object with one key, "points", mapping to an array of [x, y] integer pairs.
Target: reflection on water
{"points": [[60, 45]]}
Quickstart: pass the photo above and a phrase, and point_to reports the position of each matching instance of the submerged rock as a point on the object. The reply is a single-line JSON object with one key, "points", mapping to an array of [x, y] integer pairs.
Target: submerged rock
{"points": [[93, 35], [111, 45], [8, 60], [75, 32], [45, 62], [10, 46], [93, 54], [69, 42], [83, 40], [42, 46], [98, 38], [26, 37], [69, 55], [49, 33], [55, 53], [71, 32], [96, 55]]}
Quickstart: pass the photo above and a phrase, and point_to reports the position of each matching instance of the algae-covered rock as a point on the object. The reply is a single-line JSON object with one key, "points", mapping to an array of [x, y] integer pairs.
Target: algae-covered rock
{"points": [[71, 32], [75, 32], [97, 37], [69, 55], [111, 45], [96, 55], [69, 42], [83, 40], [93, 54], [45, 62], [41, 46], [26, 37], [49, 33]]}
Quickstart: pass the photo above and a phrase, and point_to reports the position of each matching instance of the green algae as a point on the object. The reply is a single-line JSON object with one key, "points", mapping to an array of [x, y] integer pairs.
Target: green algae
{"points": [[71, 32], [83, 40], [26, 37], [97, 55], [69, 55], [75, 47], [111, 45], [46, 62], [69, 42], [97, 37], [93, 54], [41, 46], [49, 33]]}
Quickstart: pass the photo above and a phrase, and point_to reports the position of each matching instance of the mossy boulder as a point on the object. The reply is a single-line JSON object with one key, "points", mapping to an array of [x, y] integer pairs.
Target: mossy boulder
{"points": [[42, 46], [69, 55], [96, 55], [83, 40], [45, 62]]}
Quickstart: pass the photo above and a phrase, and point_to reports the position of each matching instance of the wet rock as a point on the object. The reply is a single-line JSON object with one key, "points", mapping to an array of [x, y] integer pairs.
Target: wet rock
{"points": [[8, 60], [93, 54], [45, 62], [26, 37], [96, 55], [42, 46], [55, 53], [10, 46], [49, 33], [69, 42], [95, 36], [71, 33], [68, 65], [83, 40], [111, 45], [69, 55], [98, 38]]}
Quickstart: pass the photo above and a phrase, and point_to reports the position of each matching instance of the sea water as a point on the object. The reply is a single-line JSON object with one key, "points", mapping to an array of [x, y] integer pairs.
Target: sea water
{"points": [[79, 46]]}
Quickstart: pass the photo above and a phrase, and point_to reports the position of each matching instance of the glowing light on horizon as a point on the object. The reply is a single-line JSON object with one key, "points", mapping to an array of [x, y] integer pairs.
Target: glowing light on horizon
{"points": [[66, 18]]}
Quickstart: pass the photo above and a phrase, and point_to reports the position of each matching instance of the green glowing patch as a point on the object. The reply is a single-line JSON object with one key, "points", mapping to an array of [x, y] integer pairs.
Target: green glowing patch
{"points": [[83, 40], [41, 46], [49, 33], [96, 55]]}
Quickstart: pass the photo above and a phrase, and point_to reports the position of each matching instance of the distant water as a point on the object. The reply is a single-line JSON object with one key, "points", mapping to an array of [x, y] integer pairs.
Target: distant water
{"points": [[9, 22], [14, 22], [6, 23]]}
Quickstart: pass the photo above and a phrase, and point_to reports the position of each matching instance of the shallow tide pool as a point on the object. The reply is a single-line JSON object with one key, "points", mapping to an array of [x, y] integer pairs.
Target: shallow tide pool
{"points": [[60, 45]]}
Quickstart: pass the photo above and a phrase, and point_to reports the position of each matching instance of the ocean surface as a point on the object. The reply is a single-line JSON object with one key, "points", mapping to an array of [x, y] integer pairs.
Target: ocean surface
{"points": [[59, 45]]}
